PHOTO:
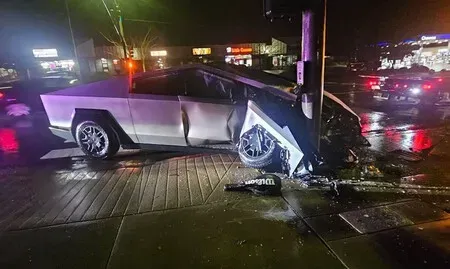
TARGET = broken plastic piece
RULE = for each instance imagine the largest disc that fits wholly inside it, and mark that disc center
(267, 184)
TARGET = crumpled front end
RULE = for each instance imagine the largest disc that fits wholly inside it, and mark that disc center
(260, 128)
(277, 132)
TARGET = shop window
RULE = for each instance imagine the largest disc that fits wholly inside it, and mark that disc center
(206, 85)
(162, 85)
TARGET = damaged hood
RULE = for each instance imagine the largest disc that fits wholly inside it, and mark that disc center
(339, 101)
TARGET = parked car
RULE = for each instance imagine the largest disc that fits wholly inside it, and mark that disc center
(198, 107)
(20, 97)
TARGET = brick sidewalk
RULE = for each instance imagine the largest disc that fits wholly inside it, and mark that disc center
(43, 198)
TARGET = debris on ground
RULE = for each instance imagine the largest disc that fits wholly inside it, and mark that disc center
(406, 155)
(314, 180)
(334, 188)
(394, 169)
(266, 184)
(415, 179)
(412, 156)
(371, 171)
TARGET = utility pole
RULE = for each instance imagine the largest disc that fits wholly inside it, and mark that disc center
(119, 32)
(77, 61)
(313, 57)
(119, 12)
(311, 68)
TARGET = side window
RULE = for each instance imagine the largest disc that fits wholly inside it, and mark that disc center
(206, 85)
(242, 92)
(161, 85)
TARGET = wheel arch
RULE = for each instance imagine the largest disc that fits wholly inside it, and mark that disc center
(82, 114)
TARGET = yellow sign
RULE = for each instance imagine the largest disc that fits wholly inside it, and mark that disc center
(201, 51)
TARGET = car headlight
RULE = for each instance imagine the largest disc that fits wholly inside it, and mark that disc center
(415, 91)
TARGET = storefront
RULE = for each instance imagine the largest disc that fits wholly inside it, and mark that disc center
(431, 51)
(283, 61)
(202, 55)
(158, 59)
(49, 60)
(239, 56)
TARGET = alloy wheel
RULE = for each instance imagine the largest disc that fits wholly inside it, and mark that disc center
(94, 139)
(256, 144)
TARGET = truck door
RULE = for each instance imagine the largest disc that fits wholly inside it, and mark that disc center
(211, 115)
(155, 110)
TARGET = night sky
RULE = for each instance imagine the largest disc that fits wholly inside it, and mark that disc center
(350, 22)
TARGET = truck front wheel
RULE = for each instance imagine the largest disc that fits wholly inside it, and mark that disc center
(257, 148)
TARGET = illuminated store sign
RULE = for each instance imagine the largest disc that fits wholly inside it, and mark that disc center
(45, 53)
(201, 51)
(428, 38)
(434, 37)
(158, 53)
(239, 50)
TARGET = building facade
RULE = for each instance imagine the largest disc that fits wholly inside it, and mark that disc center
(277, 54)
(432, 51)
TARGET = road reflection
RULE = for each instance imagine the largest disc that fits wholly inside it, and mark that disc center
(9, 144)
(384, 133)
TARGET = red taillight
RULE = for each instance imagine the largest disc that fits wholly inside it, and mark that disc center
(372, 83)
(1, 95)
(405, 86)
(440, 79)
(397, 85)
(426, 86)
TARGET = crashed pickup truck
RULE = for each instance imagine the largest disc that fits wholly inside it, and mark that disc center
(200, 107)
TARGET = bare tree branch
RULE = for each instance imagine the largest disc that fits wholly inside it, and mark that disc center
(147, 34)
(110, 40)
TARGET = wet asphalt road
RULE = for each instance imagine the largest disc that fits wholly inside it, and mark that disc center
(147, 210)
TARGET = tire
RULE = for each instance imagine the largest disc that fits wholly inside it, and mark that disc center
(96, 139)
(250, 154)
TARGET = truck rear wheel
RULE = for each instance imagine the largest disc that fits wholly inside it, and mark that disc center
(97, 140)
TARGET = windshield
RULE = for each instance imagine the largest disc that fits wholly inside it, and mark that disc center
(258, 75)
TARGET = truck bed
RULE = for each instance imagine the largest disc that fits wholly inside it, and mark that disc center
(108, 95)
(113, 87)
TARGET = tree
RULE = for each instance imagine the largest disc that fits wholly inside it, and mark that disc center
(141, 44)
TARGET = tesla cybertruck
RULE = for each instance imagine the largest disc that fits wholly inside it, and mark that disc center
(200, 107)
